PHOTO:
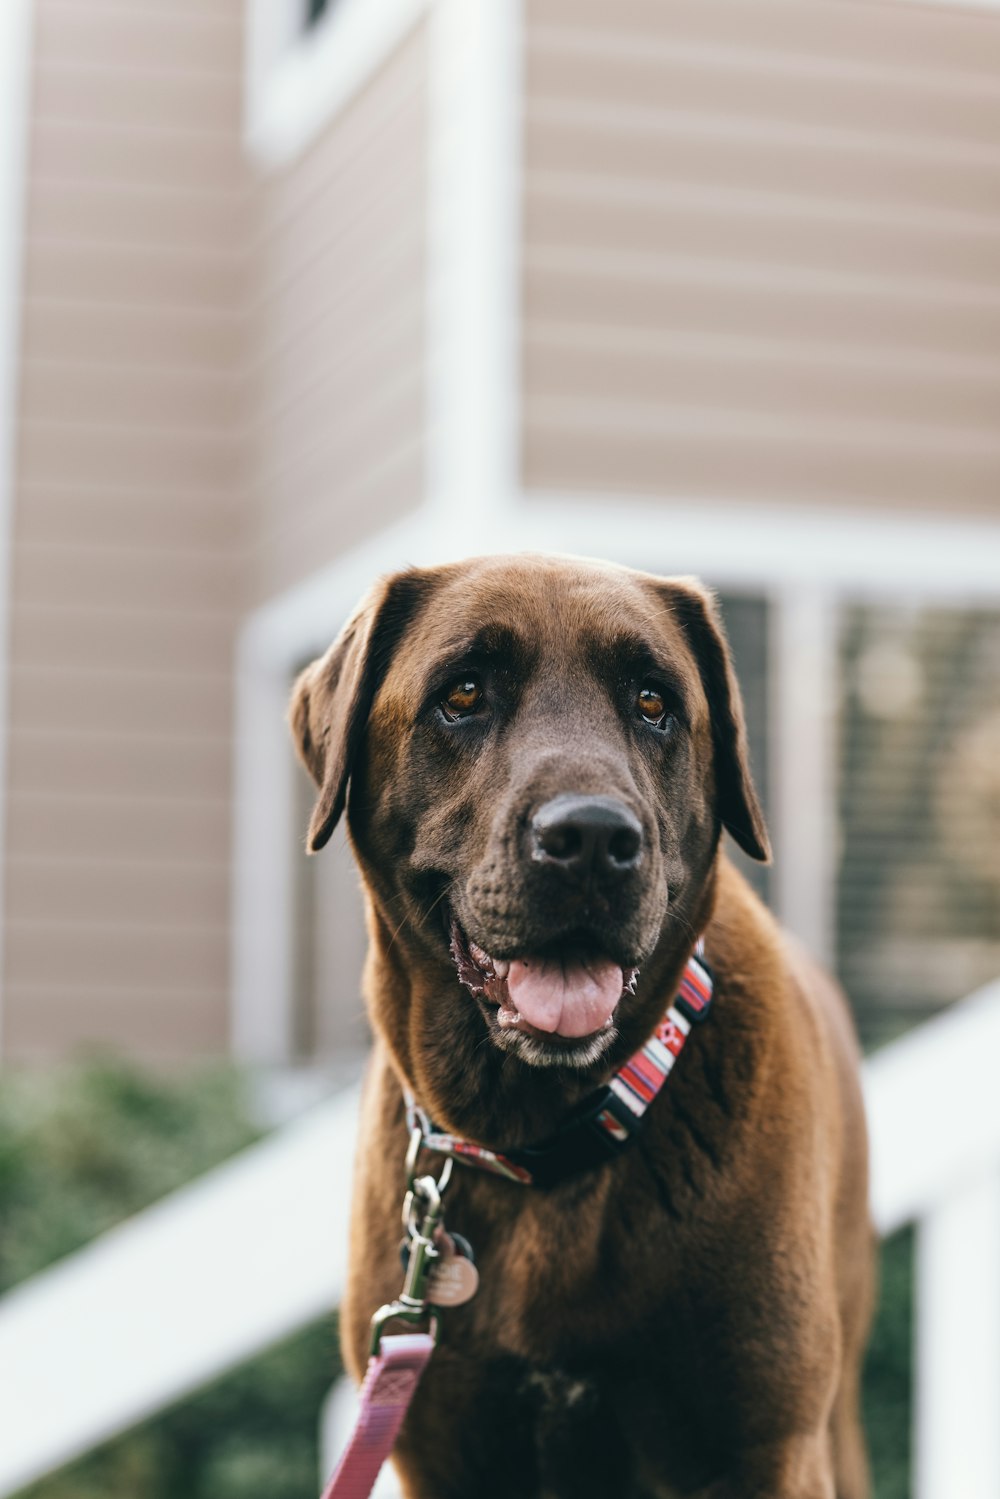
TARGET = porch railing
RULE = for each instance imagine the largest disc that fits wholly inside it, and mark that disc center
(258, 1248)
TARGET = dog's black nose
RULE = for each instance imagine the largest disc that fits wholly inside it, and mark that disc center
(580, 834)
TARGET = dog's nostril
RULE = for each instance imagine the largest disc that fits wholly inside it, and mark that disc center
(624, 845)
(560, 841)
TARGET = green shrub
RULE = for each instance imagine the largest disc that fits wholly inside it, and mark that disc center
(83, 1148)
(252, 1435)
(888, 1371)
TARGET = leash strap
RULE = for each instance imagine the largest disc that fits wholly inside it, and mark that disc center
(607, 1121)
(390, 1383)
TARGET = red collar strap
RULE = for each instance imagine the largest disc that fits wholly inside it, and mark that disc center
(606, 1122)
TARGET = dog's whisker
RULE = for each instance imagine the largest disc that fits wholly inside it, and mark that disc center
(437, 901)
(680, 920)
(421, 917)
(392, 939)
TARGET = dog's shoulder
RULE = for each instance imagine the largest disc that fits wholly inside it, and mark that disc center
(784, 1029)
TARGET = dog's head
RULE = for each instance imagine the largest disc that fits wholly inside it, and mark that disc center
(537, 755)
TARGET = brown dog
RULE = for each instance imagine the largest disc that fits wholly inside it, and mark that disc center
(541, 755)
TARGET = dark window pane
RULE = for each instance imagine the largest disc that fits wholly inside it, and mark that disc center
(746, 621)
(330, 1024)
(316, 10)
(918, 899)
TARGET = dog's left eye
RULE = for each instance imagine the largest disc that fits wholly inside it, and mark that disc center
(463, 698)
(652, 705)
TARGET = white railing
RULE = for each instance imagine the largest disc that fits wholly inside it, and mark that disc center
(257, 1248)
(934, 1114)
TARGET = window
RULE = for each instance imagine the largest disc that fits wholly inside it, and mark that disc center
(918, 900)
(329, 1023)
(746, 621)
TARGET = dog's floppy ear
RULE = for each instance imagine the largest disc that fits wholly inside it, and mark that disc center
(332, 698)
(739, 809)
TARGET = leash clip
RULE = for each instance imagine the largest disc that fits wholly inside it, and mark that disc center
(421, 1220)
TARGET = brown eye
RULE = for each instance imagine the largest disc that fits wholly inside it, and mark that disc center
(651, 704)
(464, 698)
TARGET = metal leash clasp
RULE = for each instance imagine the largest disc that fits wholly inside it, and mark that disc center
(421, 1220)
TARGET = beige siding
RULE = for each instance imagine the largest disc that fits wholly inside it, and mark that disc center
(335, 385)
(125, 565)
(762, 251)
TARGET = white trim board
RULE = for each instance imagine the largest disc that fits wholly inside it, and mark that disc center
(473, 248)
(295, 81)
(15, 95)
(803, 678)
(873, 553)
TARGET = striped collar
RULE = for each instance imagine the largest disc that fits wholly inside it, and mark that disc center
(606, 1122)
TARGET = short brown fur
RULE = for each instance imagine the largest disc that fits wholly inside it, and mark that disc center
(689, 1319)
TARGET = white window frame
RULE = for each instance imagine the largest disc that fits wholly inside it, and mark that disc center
(297, 77)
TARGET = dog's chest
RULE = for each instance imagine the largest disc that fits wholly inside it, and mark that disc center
(562, 1280)
(577, 1446)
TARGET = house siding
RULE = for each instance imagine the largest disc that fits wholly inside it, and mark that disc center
(124, 569)
(335, 383)
(761, 252)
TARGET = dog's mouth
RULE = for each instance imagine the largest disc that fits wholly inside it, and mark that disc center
(565, 1000)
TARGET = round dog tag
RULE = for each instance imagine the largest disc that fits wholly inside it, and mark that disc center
(454, 1279)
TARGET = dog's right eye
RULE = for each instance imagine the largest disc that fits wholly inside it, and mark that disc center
(463, 698)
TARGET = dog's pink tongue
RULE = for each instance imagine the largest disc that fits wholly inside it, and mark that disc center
(567, 999)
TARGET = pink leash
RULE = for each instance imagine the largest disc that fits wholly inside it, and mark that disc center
(390, 1382)
(396, 1363)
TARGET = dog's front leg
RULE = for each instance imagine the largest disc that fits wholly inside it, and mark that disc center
(466, 1436)
(799, 1467)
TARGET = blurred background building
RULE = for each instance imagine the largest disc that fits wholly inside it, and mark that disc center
(294, 292)
(706, 286)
